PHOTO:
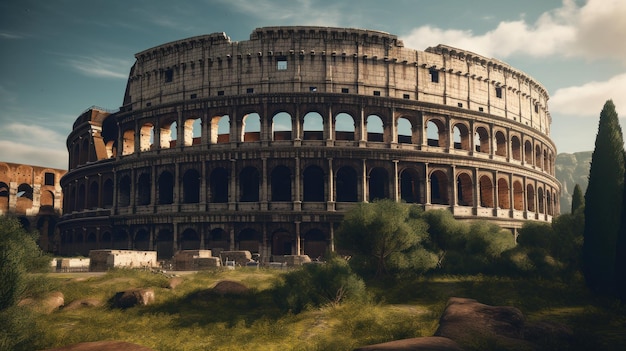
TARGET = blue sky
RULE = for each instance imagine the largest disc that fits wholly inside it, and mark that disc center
(59, 57)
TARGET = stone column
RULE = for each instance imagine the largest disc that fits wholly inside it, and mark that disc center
(297, 204)
(396, 182)
(365, 184)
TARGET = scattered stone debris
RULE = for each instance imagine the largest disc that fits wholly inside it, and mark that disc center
(132, 297)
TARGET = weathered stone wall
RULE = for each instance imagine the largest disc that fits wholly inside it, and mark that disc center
(102, 260)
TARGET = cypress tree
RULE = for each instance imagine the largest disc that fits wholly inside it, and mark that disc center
(577, 198)
(620, 254)
(603, 203)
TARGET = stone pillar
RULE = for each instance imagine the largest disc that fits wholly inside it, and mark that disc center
(454, 187)
(427, 184)
(297, 186)
(365, 184)
(396, 182)
(232, 192)
(331, 186)
(329, 128)
(299, 246)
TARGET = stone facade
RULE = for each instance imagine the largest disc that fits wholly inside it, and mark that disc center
(102, 260)
(34, 195)
(261, 145)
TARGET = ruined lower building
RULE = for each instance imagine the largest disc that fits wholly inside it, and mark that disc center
(263, 144)
(33, 194)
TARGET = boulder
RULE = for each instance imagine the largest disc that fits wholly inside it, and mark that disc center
(430, 343)
(229, 287)
(471, 324)
(48, 304)
(102, 346)
(82, 303)
(132, 297)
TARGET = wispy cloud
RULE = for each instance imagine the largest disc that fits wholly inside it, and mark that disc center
(24, 153)
(591, 32)
(586, 100)
(10, 36)
(298, 11)
(100, 67)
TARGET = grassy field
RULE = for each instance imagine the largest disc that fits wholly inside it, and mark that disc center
(181, 320)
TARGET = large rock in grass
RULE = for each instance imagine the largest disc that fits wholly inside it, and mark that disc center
(229, 287)
(48, 304)
(132, 297)
(472, 324)
(102, 346)
(430, 343)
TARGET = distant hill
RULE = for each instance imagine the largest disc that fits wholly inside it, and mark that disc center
(572, 169)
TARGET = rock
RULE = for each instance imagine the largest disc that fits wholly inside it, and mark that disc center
(82, 303)
(229, 287)
(471, 324)
(132, 297)
(102, 346)
(430, 343)
(551, 334)
(47, 304)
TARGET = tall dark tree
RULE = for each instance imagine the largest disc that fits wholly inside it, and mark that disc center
(620, 254)
(578, 200)
(603, 203)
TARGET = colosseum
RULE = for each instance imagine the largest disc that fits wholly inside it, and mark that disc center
(263, 144)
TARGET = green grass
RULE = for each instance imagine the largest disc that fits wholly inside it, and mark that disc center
(182, 319)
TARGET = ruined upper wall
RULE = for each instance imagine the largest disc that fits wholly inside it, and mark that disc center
(333, 60)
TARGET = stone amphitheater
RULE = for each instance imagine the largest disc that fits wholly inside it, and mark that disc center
(263, 144)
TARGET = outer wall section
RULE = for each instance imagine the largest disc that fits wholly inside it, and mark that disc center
(262, 145)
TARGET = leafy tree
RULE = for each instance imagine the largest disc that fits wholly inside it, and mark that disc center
(384, 235)
(603, 203)
(19, 254)
(578, 200)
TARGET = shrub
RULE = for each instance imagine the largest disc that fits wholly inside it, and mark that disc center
(315, 285)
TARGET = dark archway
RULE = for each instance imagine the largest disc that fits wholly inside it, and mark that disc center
(410, 186)
(249, 181)
(249, 239)
(313, 179)
(346, 185)
(281, 184)
(166, 188)
(439, 188)
(282, 243)
(144, 189)
(219, 185)
(191, 187)
(464, 190)
(378, 184)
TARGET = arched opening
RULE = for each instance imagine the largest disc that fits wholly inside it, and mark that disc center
(165, 244)
(129, 142)
(4, 197)
(142, 240)
(405, 131)
(538, 156)
(75, 156)
(121, 240)
(346, 185)
(530, 197)
(436, 133)
(146, 137)
(249, 239)
(540, 198)
(281, 243)
(166, 188)
(192, 131)
(516, 148)
(94, 200)
(251, 127)
(124, 192)
(106, 241)
(486, 192)
(313, 126)
(500, 144)
(85, 149)
(313, 184)
(189, 240)
(378, 184)
(46, 199)
(464, 190)
(315, 244)
(249, 181)
(461, 137)
(549, 202)
(375, 128)
(191, 187)
(481, 140)
(439, 188)
(528, 152)
(546, 165)
(281, 184)
(218, 239)
(80, 200)
(91, 241)
(144, 189)
(281, 126)
(219, 185)
(518, 196)
(107, 193)
(504, 201)
(344, 127)
(220, 129)
(409, 186)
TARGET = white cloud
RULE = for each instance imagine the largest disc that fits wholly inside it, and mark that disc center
(593, 31)
(19, 152)
(35, 134)
(13, 36)
(290, 11)
(587, 100)
(101, 67)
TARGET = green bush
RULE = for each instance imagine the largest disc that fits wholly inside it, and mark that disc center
(315, 285)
